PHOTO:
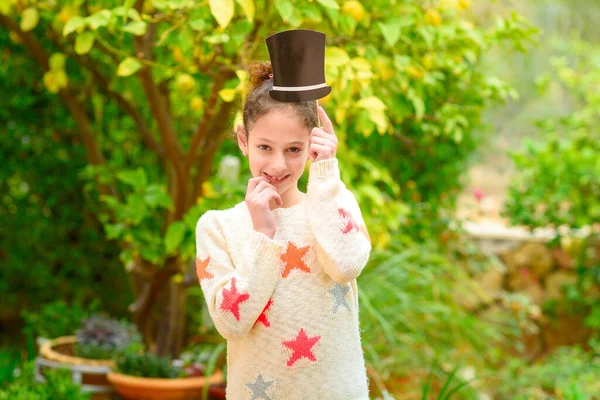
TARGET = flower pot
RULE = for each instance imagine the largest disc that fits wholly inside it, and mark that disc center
(137, 388)
(217, 391)
(89, 374)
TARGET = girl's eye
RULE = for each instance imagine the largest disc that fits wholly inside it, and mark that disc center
(295, 149)
(261, 147)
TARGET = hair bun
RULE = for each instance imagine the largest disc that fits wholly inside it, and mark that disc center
(258, 72)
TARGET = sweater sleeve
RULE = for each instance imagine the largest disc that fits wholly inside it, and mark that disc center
(342, 241)
(236, 294)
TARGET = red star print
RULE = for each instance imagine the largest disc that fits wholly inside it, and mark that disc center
(263, 316)
(292, 259)
(201, 269)
(232, 299)
(351, 224)
(301, 346)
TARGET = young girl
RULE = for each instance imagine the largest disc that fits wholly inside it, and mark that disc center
(279, 269)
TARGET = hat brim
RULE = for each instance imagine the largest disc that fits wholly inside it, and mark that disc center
(295, 97)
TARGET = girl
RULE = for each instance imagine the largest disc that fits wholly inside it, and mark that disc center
(279, 270)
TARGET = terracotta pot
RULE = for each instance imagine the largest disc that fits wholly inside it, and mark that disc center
(217, 391)
(136, 388)
(89, 374)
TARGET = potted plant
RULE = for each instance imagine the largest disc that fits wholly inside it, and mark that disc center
(88, 354)
(146, 376)
(208, 356)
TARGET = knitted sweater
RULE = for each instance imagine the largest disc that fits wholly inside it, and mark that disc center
(288, 306)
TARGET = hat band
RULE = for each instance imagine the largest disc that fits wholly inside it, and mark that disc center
(299, 88)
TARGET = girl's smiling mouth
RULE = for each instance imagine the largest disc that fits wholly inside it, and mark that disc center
(275, 180)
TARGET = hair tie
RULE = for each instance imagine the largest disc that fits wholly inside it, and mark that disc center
(271, 76)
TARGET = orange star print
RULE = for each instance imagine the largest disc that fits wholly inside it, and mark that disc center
(201, 269)
(292, 259)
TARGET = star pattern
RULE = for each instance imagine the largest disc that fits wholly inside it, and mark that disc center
(259, 388)
(202, 269)
(232, 299)
(293, 259)
(339, 297)
(350, 223)
(263, 316)
(302, 347)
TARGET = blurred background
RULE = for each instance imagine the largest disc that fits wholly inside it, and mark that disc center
(468, 133)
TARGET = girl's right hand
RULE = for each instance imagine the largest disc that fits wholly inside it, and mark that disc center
(258, 196)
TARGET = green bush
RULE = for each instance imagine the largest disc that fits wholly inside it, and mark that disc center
(147, 365)
(59, 386)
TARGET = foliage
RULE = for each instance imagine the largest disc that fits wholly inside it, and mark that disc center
(551, 193)
(411, 317)
(102, 338)
(40, 158)
(567, 373)
(564, 194)
(57, 318)
(59, 386)
(426, 98)
(147, 365)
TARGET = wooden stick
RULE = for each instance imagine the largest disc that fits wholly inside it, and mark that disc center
(318, 117)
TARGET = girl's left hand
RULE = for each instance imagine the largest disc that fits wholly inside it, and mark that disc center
(323, 142)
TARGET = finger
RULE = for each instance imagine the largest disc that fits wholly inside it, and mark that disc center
(320, 133)
(269, 195)
(322, 141)
(327, 125)
(253, 182)
(262, 186)
(319, 149)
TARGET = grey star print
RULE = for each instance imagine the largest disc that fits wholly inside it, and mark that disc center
(339, 297)
(259, 388)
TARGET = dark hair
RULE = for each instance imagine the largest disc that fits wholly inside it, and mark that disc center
(259, 102)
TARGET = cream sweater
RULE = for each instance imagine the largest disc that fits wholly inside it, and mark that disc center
(288, 306)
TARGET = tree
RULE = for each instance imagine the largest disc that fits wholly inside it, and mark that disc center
(174, 70)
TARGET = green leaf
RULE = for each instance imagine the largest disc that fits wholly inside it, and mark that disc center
(57, 61)
(419, 105)
(84, 42)
(138, 28)
(391, 32)
(248, 7)
(136, 178)
(29, 19)
(174, 236)
(222, 10)
(128, 66)
(197, 24)
(101, 18)
(155, 196)
(73, 24)
(285, 10)
(329, 4)
(336, 57)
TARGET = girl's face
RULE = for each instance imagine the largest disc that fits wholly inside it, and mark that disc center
(277, 149)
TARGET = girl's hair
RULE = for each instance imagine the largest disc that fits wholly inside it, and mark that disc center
(259, 102)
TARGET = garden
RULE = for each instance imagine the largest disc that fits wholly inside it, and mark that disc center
(468, 132)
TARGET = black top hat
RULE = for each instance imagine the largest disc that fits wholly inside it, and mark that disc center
(298, 60)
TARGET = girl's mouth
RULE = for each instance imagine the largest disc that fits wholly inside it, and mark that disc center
(276, 181)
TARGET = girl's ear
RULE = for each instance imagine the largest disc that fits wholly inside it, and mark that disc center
(242, 139)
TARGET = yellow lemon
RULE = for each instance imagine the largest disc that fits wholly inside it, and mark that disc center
(178, 55)
(354, 9)
(433, 18)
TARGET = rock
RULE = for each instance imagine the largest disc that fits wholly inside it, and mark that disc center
(554, 284)
(536, 257)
